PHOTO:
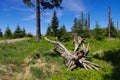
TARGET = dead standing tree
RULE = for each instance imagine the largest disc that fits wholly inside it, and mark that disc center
(109, 21)
(78, 58)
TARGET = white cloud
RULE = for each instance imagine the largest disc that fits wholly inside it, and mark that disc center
(46, 17)
(74, 5)
(31, 17)
(47, 20)
(22, 9)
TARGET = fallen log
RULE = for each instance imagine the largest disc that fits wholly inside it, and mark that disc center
(77, 58)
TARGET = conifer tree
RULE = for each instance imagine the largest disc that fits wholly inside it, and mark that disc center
(63, 34)
(74, 27)
(77, 27)
(49, 32)
(113, 31)
(41, 5)
(8, 33)
(18, 33)
(98, 32)
(62, 31)
(23, 32)
(1, 34)
(54, 24)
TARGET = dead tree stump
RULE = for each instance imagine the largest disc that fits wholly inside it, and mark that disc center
(77, 58)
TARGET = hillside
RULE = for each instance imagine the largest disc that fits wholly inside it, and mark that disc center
(30, 60)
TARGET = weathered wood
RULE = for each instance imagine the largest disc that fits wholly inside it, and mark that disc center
(63, 51)
(109, 21)
(79, 56)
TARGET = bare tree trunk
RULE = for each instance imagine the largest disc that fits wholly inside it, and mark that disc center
(89, 21)
(82, 18)
(109, 21)
(38, 31)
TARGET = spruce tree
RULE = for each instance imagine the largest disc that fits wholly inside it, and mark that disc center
(49, 32)
(54, 24)
(113, 31)
(63, 34)
(23, 32)
(62, 31)
(98, 32)
(8, 33)
(77, 27)
(80, 28)
(18, 32)
(1, 34)
(74, 27)
(86, 33)
(41, 5)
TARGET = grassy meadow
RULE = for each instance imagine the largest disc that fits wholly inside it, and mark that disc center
(46, 65)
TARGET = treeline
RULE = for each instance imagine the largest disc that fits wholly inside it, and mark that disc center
(81, 27)
(18, 33)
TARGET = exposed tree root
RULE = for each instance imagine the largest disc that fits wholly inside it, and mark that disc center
(78, 58)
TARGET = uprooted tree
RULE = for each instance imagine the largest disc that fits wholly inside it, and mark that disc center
(77, 58)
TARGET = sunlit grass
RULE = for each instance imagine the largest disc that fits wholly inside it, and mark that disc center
(15, 53)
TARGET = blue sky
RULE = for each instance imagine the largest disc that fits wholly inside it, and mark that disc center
(13, 12)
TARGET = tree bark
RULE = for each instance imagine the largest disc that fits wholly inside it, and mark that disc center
(82, 18)
(38, 30)
(109, 21)
(89, 22)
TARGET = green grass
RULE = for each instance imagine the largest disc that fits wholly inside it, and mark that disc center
(109, 59)
(18, 51)
(15, 52)
(104, 45)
